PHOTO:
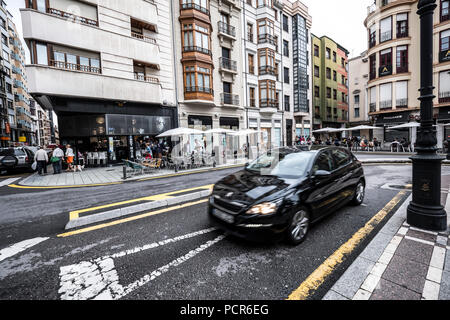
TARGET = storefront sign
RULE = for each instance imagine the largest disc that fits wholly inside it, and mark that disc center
(385, 71)
(444, 56)
(4, 138)
(119, 124)
(392, 118)
(8, 128)
(444, 113)
(22, 139)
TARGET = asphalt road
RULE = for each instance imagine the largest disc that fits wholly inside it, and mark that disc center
(202, 265)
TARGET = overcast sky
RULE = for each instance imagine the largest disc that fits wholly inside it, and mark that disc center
(342, 21)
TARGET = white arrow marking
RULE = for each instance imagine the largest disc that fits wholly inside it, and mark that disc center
(19, 247)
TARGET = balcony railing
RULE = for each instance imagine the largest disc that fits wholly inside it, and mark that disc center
(444, 97)
(198, 89)
(229, 99)
(228, 64)
(144, 38)
(72, 17)
(227, 29)
(196, 49)
(267, 38)
(402, 103)
(263, 70)
(253, 103)
(386, 104)
(188, 6)
(72, 66)
(402, 32)
(268, 103)
(445, 16)
(385, 36)
(402, 69)
(141, 77)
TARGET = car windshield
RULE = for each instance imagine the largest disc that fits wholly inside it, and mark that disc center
(283, 165)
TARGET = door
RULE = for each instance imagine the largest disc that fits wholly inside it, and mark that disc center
(322, 197)
(344, 185)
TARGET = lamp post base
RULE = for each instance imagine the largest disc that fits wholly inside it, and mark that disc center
(425, 210)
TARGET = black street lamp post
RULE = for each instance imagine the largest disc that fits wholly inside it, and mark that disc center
(425, 210)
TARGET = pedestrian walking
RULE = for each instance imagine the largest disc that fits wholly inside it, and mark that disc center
(69, 157)
(56, 160)
(41, 158)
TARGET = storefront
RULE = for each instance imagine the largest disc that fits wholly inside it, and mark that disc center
(119, 131)
(388, 120)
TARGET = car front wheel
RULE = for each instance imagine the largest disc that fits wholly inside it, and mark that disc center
(360, 192)
(299, 227)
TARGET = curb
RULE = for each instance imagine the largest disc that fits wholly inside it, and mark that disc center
(126, 211)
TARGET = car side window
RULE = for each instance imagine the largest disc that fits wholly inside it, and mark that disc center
(323, 162)
(341, 158)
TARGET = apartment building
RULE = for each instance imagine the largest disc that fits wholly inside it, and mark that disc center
(358, 76)
(106, 69)
(277, 95)
(208, 64)
(330, 74)
(7, 113)
(23, 133)
(394, 64)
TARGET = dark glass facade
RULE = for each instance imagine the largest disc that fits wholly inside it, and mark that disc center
(300, 63)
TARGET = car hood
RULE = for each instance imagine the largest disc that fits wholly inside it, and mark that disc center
(246, 187)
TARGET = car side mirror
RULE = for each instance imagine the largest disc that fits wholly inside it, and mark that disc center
(321, 174)
(246, 164)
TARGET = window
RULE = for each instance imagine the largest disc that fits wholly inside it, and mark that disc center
(316, 71)
(356, 97)
(341, 157)
(334, 94)
(357, 114)
(373, 66)
(444, 86)
(287, 106)
(316, 51)
(252, 97)
(402, 25)
(328, 53)
(286, 75)
(286, 48)
(250, 32)
(197, 79)
(386, 29)
(334, 75)
(444, 47)
(267, 94)
(324, 162)
(385, 62)
(5, 55)
(196, 38)
(41, 54)
(386, 96)
(402, 59)
(372, 36)
(373, 99)
(250, 3)
(316, 92)
(328, 93)
(444, 10)
(285, 23)
(251, 64)
(401, 93)
(266, 61)
(328, 73)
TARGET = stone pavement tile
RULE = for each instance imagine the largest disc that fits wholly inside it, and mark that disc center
(387, 290)
(406, 273)
(447, 261)
(444, 294)
(353, 277)
(415, 251)
(393, 225)
(333, 295)
(422, 235)
(376, 247)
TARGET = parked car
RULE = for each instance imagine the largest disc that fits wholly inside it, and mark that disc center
(16, 158)
(281, 193)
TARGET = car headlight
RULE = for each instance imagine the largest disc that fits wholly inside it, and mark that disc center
(264, 208)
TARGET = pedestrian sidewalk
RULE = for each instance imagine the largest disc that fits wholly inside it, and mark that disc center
(105, 175)
(400, 263)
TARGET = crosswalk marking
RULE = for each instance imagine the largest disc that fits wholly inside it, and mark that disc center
(8, 181)
(19, 247)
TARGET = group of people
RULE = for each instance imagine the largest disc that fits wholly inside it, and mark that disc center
(56, 159)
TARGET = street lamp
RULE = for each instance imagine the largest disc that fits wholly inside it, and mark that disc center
(425, 210)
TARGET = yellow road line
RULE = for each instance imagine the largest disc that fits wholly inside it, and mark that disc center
(313, 282)
(164, 196)
(141, 216)
(64, 187)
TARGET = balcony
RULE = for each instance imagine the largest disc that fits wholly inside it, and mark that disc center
(386, 105)
(229, 99)
(199, 90)
(72, 17)
(74, 67)
(190, 6)
(227, 30)
(264, 70)
(228, 65)
(402, 103)
(444, 97)
(53, 81)
(268, 103)
(267, 38)
(196, 49)
(141, 77)
(143, 38)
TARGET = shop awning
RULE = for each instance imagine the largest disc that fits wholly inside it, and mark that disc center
(179, 132)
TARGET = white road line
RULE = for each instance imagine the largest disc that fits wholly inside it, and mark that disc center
(8, 181)
(97, 279)
(19, 247)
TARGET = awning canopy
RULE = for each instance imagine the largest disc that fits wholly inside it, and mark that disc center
(363, 127)
(179, 132)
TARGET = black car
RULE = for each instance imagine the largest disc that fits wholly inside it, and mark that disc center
(281, 193)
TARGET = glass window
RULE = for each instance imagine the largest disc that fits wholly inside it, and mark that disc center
(59, 56)
(341, 157)
(324, 162)
(41, 5)
(41, 54)
(95, 63)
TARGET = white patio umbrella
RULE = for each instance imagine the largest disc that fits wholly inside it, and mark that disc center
(220, 131)
(324, 130)
(179, 132)
(363, 127)
(245, 132)
(406, 125)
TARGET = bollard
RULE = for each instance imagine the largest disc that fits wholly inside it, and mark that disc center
(448, 149)
(124, 173)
